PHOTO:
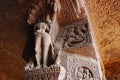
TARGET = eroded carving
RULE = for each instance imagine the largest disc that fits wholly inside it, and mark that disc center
(84, 73)
(42, 45)
(42, 10)
(46, 52)
(74, 35)
(82, 68)
(48, 73)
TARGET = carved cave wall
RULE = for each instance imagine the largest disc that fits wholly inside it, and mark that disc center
(104, 16)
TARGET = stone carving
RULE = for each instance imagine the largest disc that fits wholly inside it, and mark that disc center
(82, 68)
(74, 35)
(48, 73)
(43, 10)
(47, 57)
(46, 50)
(84, 73)
(46, 53)
(79, 67)
(42, 44)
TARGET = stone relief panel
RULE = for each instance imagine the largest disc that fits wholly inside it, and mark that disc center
(83, 73)
(79, 67)
(74, 35)
(82, 68)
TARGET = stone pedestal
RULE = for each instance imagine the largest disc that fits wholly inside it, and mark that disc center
(49, 73)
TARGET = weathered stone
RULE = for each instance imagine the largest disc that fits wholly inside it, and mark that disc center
(80, 67)
(49, 73)
(70, 11)
(74, 35)
(105, 19)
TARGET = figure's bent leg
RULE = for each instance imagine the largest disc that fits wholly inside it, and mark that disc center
(38, 51)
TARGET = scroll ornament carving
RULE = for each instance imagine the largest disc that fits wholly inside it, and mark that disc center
(74, 35)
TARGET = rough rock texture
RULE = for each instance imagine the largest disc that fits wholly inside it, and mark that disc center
(105, 20)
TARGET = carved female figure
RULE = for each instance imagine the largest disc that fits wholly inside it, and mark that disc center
(42, 43)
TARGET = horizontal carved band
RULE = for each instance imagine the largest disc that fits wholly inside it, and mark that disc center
(48, 73)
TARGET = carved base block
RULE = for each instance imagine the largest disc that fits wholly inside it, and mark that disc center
(49, 73)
